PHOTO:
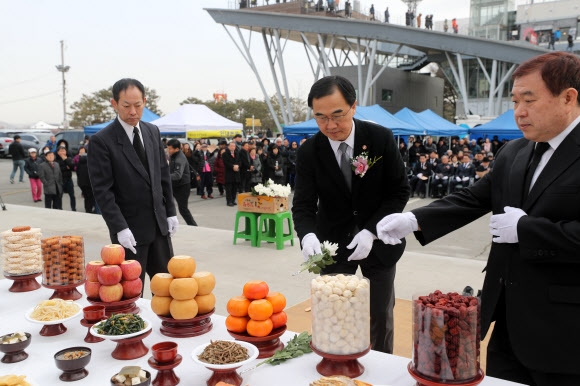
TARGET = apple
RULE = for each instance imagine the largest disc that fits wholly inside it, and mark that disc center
(113, 254)
(111, 293)
(131, 269)
(92, 289)
(109, 274)
(92, 269)
(132, 288)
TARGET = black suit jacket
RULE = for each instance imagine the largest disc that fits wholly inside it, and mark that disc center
(323, 203)
(127, 195)
(541, 273)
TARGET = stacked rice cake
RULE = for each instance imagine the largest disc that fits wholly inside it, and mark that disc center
(21, 251)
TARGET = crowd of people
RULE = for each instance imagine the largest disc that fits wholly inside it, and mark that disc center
(437, 169)
(52, 170)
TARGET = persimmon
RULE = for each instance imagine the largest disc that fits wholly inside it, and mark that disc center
(259, 327)
(260, 309)
(279, 319)
(238, 306)
(237, 323)
(278, 301)
(256, 289)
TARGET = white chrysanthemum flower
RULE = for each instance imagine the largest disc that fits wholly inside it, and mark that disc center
(330, 247)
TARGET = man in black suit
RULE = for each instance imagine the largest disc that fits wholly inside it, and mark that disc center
(421, 173)
(531, 288)
(131, 181)
(232, 164)
(333, 203)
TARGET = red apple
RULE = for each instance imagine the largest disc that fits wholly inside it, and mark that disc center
(111, 293)
(131, 269)
(92, 289)
(113, 254)
(109, 274)
(132, 288)
(92, 269)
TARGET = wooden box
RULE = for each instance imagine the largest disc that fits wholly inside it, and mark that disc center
(261, 204)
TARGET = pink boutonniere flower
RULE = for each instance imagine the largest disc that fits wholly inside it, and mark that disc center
(361, 163)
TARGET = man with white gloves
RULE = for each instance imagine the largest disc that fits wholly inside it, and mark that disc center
(531, 287)
(335, 203)
(131, 181)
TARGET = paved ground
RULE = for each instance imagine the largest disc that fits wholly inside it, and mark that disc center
(448, 264)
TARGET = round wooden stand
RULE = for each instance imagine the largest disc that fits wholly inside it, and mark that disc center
(230, 376)
(267, 345)
(130, 348)
(347, 365)
(165, 375)
(90, 338)
(424, 381)
(186, 328)
(73, 375)
(24, 283)
(52, 329)
(14, 352)
(125, 306)
(66, 291)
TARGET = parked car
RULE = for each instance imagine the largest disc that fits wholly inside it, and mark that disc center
(75, 139)
(4, 144)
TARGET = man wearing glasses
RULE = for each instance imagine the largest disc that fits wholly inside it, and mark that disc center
(333, 202)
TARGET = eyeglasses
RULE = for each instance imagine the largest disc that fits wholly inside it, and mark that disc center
(334, 118)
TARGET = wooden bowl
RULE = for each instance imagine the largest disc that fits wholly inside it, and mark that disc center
(164, 352)
(73, 369)
(15, 351)
(146, 382)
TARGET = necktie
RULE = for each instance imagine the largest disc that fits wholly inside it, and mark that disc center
(539, 150)
(139, 149)
(345, 164)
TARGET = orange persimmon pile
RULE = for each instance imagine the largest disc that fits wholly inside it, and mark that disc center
(257, 311)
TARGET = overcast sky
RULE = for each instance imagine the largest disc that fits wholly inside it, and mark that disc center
(172, 46)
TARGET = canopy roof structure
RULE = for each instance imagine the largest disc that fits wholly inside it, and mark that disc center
(503, 126)
(430, 123)
(198, 121)
(147, 116)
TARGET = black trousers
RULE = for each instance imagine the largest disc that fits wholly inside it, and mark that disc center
(52, 201)
(206, 182)
(181, 195)
(231, 190)
(89, 198)
(69, 188)
(382, 303)
(502, 362)
(153, 257)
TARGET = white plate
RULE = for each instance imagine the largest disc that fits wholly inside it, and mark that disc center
(50, 322)
(253, 352)
(94, 332)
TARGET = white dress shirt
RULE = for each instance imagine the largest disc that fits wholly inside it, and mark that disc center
(129, 130)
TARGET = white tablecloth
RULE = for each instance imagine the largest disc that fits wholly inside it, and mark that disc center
(40, 369)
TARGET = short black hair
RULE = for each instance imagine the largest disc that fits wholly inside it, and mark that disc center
(124, 84)
(326, 86)
(238, 136)
(174, 143)
(16, 136)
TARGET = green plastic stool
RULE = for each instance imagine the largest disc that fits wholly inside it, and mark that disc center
(272, 229)
(250, 231)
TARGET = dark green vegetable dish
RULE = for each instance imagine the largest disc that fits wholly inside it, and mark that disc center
(121, 324)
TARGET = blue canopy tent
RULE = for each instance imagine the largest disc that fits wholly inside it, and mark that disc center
(430, 123)
(147, 116)
(373, 113)
(503, 126)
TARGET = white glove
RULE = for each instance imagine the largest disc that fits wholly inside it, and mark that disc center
(127, 240)
(505, 226)
(310, 246)
(420, 175)
(445, 177)
(465, 178)
(392, 228)
(172, 225)
(458, 179)
(364, 243)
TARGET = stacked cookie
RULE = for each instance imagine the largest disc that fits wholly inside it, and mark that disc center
(21, 253)
(64, 260)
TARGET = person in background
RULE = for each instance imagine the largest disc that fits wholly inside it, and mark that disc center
(31, 168)
(83, 181)
(18, 155)
(332, 203)
(291, 165)
(180, 179)
(238, 141)
(274, 168)
(454, 26)
(67, 166)
(570, 47)
(206, 175)
(131, 181)
(372, 12)
(220, 171)
(42, 156)
(49, 172)
(387, 15)
(532, 193)
(256, 173)
(246, 168)
(445, 26)
(232, 163)
(51, 143)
